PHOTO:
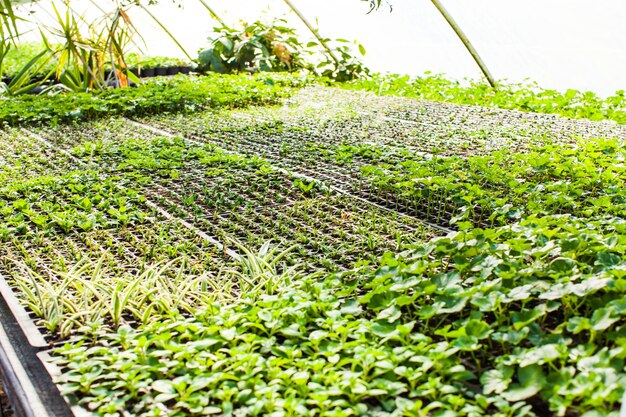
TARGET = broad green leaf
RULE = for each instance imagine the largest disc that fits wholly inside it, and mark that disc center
(478, 329)
(292, 330)
(466, 343)
(384, 329)
(163, 385)
(531, 381)
(602, 320)
(496, 380)
(391, 314)
(526, 316)
(608, 259)
(562, 266)
(539, 355)
(351, 307)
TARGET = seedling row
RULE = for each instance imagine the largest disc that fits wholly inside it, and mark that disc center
(151, 270)
(23, 158)
(217, 184)
(349, 153)
(192, 273)
(99, 224)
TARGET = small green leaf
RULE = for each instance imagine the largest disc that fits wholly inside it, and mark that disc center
(390, 314)
(164, 386)
(292, 330)
(562, 266)
(228, 333)
(351, 307)
(384, 329)
(478, 329)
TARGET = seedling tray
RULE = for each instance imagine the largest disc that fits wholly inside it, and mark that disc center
(187, 197)
(28, 384)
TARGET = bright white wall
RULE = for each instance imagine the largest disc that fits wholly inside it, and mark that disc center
(558, 43)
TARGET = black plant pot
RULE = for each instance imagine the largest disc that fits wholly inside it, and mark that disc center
(37, 78)
(147, 72)
(160, 71)
(37, 90)
(185, 70)
(173, 70)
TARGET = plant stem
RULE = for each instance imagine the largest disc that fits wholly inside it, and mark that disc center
(158, 22)
(213, 14)
(313, 31)
(465, 40)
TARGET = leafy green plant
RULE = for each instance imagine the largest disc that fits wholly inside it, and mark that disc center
(22, 82)
(89, 292)
(586, 180)
(256, 47)
(83, 58)
(522, 317)
(260, 271)
(350, 65)
(139, 61)
(19, 54)
(75, 201)
(22, 71)
(275, 47)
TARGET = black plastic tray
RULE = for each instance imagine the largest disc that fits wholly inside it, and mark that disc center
(27, 379)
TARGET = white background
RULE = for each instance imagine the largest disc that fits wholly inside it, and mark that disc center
(558, 43)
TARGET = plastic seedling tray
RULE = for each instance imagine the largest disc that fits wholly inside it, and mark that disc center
(22, 317)
(29, 385)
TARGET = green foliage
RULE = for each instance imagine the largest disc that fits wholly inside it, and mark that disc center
(160, 156)
(521, 317)
(19, 55)
(587, 180)
(178, 94)
(254, 201)
(91, 292)
(275, 47)
(22, 69)
(350, 66)
(525, 97)
(136, 60)
(524, 319)
(72, 202)
(479, 322)
(255, 47)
